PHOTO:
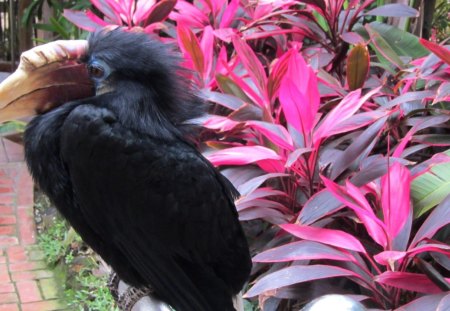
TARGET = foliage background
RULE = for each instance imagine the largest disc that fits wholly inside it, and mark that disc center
(333, 125)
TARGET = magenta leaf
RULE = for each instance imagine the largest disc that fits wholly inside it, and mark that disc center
(242, 155)
(83, 20)
(388, 258)
(143, 9)
(207, 47)
(415, 282)
(190, 46)
(294, 275)
(220, 123)
(229, 14)
(437, 302)
(300, 99)
(353, 198)
(302, 250)
(111, 9)
(348, 106)
(332, 237)
(396, 205)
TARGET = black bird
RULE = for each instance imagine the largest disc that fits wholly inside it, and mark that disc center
(121, 168)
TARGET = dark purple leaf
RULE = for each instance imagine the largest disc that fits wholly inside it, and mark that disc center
(394, 10)
(252, 184)
(321, 204)
(302, 250)
(229, 101)
(415, 282)
(81, 20)
(294, 275)
(437, 302)
(272, 216)
(439, 217)
(359, 146)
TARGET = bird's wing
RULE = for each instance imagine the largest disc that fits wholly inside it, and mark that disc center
(159, 203)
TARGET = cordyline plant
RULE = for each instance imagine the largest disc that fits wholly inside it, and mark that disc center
(334, 129)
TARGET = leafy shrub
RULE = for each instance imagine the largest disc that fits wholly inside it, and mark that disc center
(328, 123)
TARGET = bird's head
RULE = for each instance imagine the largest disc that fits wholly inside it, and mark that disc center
(130, 64)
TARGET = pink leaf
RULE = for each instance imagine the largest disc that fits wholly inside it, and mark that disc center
(275, 132)
(414, 282)
(207, 47)
(353, 198)
(300, 99)
(348, 106)
(189, 14)
(229, 14)
(396, 205)
(82, 20)
(242, 155)
(111, 9)
(220, 123)
(294, 275)
(388, 258)
(440, 51)
(302, 250)
(332, 237)
(143, 9)
(190, 46)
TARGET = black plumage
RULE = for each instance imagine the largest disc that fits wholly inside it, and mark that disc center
(121, 168)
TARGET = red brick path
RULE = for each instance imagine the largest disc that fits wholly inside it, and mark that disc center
(26, 283)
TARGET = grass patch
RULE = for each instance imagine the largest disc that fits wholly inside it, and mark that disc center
(77, 267)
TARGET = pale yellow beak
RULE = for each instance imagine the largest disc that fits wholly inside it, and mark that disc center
(48, 75)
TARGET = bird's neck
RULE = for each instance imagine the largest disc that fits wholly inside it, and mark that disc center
(136, 108)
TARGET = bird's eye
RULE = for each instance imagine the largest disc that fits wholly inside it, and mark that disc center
(96, 71)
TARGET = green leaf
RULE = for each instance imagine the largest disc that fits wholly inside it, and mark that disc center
(383, 49)
(12, 127)
(429, 189)
(402, 42)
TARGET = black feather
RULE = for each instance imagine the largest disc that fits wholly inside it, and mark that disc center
(120, 167)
